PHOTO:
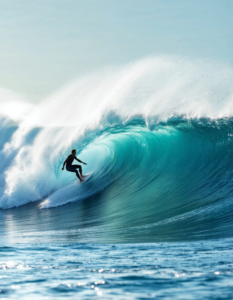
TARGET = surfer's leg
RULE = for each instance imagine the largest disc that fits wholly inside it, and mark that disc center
(79, 168)
(73, 169)
(77, 174)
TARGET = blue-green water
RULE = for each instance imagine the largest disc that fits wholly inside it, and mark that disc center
(195, 270)
(155, 220)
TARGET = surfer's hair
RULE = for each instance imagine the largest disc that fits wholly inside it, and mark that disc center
(74, 150)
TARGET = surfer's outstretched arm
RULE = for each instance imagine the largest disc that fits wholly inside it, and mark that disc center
(64, 163)
(80, 160)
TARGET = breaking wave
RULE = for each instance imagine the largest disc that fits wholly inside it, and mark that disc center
(157, 133)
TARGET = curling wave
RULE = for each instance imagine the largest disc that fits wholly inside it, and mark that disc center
(158, 135)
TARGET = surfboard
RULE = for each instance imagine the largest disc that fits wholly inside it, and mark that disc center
(86, 178)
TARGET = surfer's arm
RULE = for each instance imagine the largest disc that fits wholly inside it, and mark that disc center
(80, 160)
(64, 163)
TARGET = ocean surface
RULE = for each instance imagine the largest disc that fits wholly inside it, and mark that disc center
(155, 220)
(195, 270)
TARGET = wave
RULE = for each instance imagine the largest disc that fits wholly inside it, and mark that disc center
(157, 133)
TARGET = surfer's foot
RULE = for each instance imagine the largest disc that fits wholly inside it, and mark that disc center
(84, 176)
(81, 180)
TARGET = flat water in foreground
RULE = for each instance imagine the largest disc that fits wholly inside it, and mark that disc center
(187, 270)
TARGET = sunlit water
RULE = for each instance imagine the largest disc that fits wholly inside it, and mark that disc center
(195, 270)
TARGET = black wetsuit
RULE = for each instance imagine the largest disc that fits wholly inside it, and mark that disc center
(72, 168)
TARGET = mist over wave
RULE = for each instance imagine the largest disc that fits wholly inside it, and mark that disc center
(157, 134)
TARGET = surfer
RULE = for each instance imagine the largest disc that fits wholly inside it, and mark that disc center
(73, 168)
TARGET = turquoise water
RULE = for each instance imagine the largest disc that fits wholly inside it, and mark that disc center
(196, 270)
(156, 217)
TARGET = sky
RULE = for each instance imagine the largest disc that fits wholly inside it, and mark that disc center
(45, 44)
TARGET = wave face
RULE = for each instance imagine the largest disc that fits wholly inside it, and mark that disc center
(158, 135)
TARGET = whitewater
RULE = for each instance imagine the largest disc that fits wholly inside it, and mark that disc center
(155, 220)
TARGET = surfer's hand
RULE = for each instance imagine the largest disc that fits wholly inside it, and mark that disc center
(84, 163)
(62, 168)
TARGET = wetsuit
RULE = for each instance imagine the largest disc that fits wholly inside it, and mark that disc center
(72, 168)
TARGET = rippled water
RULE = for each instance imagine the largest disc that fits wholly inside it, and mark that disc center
(195, 270)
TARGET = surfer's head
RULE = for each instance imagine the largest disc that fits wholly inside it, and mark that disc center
(73, 151)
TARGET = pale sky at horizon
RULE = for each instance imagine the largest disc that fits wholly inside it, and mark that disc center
(47, 43)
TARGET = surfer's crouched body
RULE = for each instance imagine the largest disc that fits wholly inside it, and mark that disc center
(73, 168)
